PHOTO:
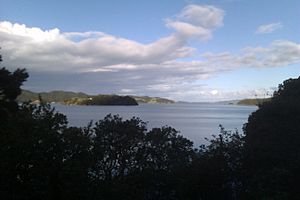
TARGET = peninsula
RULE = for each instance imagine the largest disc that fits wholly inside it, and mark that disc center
(80, 98)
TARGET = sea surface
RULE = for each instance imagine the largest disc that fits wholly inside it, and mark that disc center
(195, 121)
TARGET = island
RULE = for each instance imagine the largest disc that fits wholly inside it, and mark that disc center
(103, 100)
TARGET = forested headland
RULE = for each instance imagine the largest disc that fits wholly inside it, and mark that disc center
(80, 98)
(44, 158)
(253, 102)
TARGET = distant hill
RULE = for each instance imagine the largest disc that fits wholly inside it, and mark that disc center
(253, 102)
(155, 100)
(53, 96)
(103, 100)
(229, 102)
(67, 97)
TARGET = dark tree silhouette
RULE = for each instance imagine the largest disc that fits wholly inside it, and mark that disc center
(272, 146)
(39, 154)
(131, 163)
(44, 158)
(9, 90)
(216, 172)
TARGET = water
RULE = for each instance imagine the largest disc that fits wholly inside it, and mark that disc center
(194, 121)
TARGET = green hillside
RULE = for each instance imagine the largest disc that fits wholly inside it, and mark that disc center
(154, 100)
(102, 100)
(253, 102)
(54, 96)
(80, 98)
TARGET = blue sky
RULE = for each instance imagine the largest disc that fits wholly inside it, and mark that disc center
(180, 49)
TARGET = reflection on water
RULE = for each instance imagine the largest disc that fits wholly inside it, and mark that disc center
(194, 121)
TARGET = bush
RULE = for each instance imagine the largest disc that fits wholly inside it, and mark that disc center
(272, 145)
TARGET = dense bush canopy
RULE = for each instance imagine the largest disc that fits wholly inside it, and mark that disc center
(42, 157)
(272, 145)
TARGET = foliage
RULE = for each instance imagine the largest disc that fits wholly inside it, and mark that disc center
(44, 158)
(41, 158)
(216, 173)
(129, 160)
(272, 145)
(9, 90)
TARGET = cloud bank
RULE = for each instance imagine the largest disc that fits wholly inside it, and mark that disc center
(120, 65)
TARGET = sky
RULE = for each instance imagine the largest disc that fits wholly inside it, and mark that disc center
(185, 50)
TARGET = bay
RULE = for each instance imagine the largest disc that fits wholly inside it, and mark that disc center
(195, 121)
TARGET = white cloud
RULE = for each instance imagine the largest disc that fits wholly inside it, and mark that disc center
(214, 92)
(208, 17)
(34, 33)
(268, 28)
(189, 30)
(54, 51)
(197, 21)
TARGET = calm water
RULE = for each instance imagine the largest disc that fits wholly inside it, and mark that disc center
(194, 121)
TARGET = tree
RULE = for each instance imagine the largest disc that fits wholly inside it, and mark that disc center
(133, 163)
(216, 171)
(272, 146)
(168, 157)
(41, 158)
(9, 90)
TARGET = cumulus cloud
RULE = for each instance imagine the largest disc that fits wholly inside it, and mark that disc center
(214, 92)
(34, 33)
(268, 28)
(119, 65)
(205, 16)
(51, 50)
(197, 21)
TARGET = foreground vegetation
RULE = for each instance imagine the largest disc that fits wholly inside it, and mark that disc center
(44, 158)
